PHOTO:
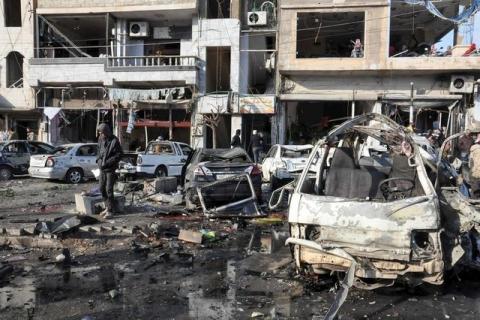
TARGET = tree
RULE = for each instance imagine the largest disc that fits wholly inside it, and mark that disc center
(212, 120)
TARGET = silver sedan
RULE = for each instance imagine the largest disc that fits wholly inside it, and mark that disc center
(71, 162)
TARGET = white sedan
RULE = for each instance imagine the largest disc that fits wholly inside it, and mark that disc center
(71, 162)
(284, 162)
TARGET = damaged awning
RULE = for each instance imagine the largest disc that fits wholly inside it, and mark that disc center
(167, 94)
(420, 101)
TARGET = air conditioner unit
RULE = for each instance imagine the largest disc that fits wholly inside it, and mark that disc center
(462, 84)
(139, 29)
(257, 18)
(162, 33)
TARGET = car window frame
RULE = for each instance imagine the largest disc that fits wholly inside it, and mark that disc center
(86, 146)
(39, 145)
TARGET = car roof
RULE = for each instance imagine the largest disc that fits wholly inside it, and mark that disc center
(296, 147)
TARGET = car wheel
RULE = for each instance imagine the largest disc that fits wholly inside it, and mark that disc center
(161, 172)
(74, 176)
(5, 174)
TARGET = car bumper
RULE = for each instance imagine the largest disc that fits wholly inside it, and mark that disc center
(146, 170)
(47, 173)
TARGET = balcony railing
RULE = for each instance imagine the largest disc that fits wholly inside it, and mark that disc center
(152, 61)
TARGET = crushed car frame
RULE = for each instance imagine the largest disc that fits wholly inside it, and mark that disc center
(370, 210)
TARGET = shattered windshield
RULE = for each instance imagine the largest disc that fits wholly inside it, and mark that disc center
(237, 155)
(369, 162)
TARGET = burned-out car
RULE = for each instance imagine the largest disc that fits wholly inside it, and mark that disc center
(366, 206)
(222, 181)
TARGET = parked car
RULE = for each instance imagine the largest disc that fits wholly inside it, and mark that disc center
(284, 162)
(15, 156)
(209, 165)
(70, 162)
(379, 222)
(163, 158)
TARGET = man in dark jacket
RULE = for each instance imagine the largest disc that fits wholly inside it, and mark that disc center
(257, 145)
(109, 155)
(236, 140)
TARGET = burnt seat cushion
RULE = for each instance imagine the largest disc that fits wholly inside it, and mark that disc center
(345, 180)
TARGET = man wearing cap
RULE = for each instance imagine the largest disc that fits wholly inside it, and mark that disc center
(109, 155)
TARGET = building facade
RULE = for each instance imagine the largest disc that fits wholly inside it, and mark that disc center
(152, 69)
(17, 108)
(337, 59)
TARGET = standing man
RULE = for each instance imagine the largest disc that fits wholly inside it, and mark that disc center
(236, 140)
(257, 146)
(12, 135)
(109, 154)
(30, 134)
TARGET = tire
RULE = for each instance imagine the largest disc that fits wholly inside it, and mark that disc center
(5, 174)
(74, 176)
(161, 172)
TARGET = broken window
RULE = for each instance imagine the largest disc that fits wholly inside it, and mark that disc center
(13, 13)
(327, 34)
(217, 9)
(14, 70)
(368, 162)
(417, 31)
(218, 69)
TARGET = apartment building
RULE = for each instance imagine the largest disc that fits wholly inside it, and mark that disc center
(156, 68)
(16, 45)
(337, 59)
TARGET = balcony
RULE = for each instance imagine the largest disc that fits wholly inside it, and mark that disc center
(100, 6)
(165, 70)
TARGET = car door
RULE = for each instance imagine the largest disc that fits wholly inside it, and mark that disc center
(17, 155)
(267, 164)
(177, 160)
(86, 156)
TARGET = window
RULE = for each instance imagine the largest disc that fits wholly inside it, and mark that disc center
(40, 148)
(16, 147)
(87, 151)
(272, 152)
(218, 9)
(324, 35)
(186, 149)
(159, 148)
(13, 13)
(14, 70)
(290, 153)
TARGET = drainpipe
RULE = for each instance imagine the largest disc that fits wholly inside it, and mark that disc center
(411, 103)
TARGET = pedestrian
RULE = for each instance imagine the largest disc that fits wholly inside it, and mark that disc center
(257, 145)
(474, 165)
(465, 142)
(30, 134)
(236, 140)
(12, 134)
(109, 155)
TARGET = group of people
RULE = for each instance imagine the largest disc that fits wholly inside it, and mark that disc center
(257, 144)
(11, 135)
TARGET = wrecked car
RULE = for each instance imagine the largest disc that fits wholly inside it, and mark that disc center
(370, 210)
(284, 162)
(15, 156)
(221, 177)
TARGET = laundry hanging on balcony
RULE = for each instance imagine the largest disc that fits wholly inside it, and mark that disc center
(116, 94)
(461, 18)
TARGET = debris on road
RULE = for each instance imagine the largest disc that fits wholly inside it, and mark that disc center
(190, 236)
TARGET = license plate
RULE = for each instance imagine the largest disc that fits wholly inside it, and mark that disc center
(224, 176)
